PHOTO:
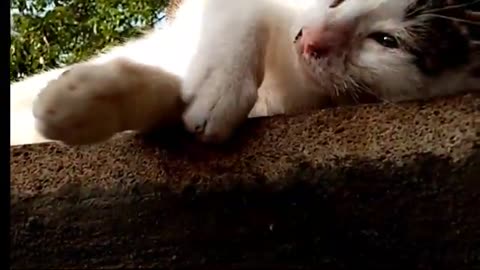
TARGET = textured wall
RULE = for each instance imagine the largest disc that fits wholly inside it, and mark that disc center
(378, 186)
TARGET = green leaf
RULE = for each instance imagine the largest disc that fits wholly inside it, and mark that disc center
(52, 33)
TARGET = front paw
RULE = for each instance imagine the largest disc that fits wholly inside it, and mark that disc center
(79, 107)
(219, 101)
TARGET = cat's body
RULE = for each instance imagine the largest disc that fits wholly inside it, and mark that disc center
(220, 61)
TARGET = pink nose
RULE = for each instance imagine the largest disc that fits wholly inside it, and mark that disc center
(319, 41)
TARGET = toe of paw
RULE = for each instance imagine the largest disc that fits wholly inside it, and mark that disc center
(197, 127)
(206, 130)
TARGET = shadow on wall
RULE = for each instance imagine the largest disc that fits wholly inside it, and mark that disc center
(378, 218)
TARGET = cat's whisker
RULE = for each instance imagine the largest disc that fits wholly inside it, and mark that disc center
(368, 90)
(359, 88)
(472, 15)
(354, 92)
(337, 93)
(466, 21)
(475, 45)
(452, 6)
(422, 10)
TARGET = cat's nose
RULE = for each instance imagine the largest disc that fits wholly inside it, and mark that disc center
(321, 41)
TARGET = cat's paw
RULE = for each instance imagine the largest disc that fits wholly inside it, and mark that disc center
(80, 107)
(219, 101)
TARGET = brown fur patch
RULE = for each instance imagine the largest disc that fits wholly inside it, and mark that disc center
(438, 38)
(172, 8)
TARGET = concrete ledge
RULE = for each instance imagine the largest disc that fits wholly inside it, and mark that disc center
(378, 186)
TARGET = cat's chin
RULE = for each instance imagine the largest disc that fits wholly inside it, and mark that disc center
(313, 68)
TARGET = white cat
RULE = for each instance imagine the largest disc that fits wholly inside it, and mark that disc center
(221, 61)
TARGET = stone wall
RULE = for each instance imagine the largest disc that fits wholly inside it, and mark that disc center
(377, 186)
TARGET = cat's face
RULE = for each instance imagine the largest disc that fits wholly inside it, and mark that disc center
(394, 49)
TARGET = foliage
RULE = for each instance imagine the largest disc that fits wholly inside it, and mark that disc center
(52, 33)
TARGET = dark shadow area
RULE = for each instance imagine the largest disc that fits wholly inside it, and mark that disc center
(358, 216)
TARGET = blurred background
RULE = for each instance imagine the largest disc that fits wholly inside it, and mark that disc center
(53, 33)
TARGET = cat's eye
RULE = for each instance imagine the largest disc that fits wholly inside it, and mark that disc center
(336, 3)
(385, 40)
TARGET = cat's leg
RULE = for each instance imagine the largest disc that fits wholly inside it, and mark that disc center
(90, 102)
(222, 82)
(119, 74)
(22, 95)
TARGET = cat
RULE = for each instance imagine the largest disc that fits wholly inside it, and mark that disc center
(218, 62)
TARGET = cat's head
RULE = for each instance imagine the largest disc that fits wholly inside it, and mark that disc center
(394, 49)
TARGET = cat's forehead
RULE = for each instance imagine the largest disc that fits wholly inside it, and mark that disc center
(367, 13)
(393, 9)
(400, 10)
(428, 5)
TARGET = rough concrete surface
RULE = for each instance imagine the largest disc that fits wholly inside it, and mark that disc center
(377, 186)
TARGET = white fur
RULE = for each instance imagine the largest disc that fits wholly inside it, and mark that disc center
(228, 60)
